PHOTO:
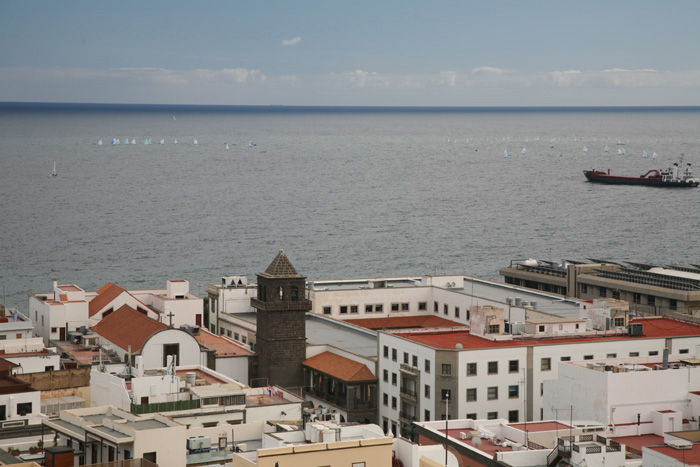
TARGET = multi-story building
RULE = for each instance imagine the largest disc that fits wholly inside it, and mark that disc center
(650, 289)
(68, 311)
(485, 372)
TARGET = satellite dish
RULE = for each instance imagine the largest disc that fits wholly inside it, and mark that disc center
(476, 442)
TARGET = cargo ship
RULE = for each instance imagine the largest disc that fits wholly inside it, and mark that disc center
(674, 177)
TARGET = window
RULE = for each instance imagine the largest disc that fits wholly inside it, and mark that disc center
(415, 361)
(634, 354)
(603, 292)
(673, 305)
(54, 330)
(446, 394)
(445, 309)
(471, 416)
(378, 308)
(369, 308)
(611, 355)
(513, 366)
(456, 312)
(393, 402)
(343, 309)
(229, 333)
(513, 391)
(584, 288)
(405, 358)
(386, 399)
(436, 306)
(651, 300)
(394, 307)
(393, 379)
(494, 328)
(683, 351)
(513, 416)
(404, 307)
(588, 357)
(427, 365)
(385, 424)
(358, 464)
(653, 352)
(546, 364)
(426, 416)
(422, 306)
(493, 368)
(393, 354)
(24, 408)
(492, 393)
(618, 321)
(471, 394)
(326, 310)
(150, 456)
(446, 369)
(636, 298)
(471, 369)
(492, 415)
(540, 328)
(426, 391)
(616, 294)
(565, 359)
(386, 376)
(386, 351)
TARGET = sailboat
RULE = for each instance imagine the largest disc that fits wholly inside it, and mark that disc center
(54, 173)
(505, 153)
(623, 151)
(524, 151)
(585, 149)
(162, 141)
(195, 141)
(126, 141)
(619, 152)
(655, 156)
(227, 146)
(133, 141)
(175, 142)
(645, 154)
(99, 143)
(607, 149)
(251, 144)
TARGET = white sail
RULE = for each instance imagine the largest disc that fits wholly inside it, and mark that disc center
(585, 149)
(195, 141)
(505, 153)
(524, 151)
(126, 141)
(133, 141)
(54, 173)
(99, 143)
(175, 142)
(162, 141)
(227, 146)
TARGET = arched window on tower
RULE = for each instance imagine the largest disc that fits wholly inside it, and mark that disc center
(294, 293)
(281, 293)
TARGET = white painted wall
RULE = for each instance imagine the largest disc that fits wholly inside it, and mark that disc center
(108, 389)
(233, 367)
(169, 444)
(190, 353)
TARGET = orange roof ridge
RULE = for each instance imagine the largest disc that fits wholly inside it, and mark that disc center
(104, 296)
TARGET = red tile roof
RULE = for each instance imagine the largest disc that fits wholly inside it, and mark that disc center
(653, 328)
(223, 346)
(638, 442)
(687, 456)
(340, 367)
(63, 297)
(127, 326)
(105, 295)
(399, 322)
(70, 288)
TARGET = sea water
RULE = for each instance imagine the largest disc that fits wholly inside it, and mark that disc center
(346, 192)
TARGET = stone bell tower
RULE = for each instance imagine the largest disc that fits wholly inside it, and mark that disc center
(281, 307)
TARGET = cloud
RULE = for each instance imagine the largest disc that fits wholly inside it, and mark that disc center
(290, 42)
(449, 77)
(235, 75)
(490, 70)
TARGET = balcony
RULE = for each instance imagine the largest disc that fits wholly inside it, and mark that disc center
(411, 370)
(408, 416)
(408, 393)
(299, 305)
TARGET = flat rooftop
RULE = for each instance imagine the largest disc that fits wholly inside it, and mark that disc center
(653, 328)
(404, 322)
(222, 345)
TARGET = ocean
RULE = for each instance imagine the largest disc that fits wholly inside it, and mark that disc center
(346, 192)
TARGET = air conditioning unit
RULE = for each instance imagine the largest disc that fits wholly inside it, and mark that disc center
(680, 444)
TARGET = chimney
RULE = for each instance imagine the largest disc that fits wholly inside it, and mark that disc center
(55, 282)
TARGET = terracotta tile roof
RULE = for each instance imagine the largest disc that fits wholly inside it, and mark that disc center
(340, 367)
(127, 326)
(224, 346)
(63, 297)
(399, 322)
(653, 328)
(105, 295)
(281, 267)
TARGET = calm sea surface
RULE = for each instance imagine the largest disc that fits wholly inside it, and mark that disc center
(345, 192)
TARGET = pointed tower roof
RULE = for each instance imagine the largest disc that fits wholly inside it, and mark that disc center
(280, 267)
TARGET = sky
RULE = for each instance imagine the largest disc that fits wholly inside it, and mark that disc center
(365, 53)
